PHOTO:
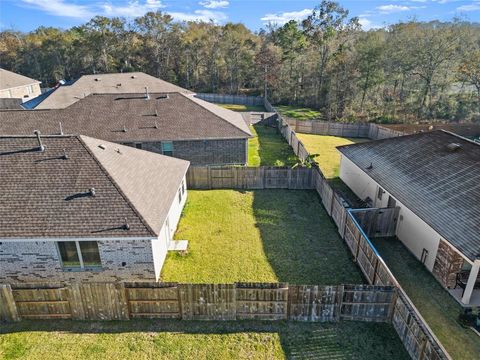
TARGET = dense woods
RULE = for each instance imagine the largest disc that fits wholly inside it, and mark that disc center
(402, 73)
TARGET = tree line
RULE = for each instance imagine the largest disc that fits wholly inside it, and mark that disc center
(406, 72)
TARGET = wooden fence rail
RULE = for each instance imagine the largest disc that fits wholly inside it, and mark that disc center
(239, 301)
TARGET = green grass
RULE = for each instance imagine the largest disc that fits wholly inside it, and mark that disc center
(300, 113)
(437, 307)
(264, 235)
(269, 148)
(243, 108)
(169, 339)
(328, 158)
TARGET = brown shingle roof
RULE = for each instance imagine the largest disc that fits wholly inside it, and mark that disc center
(44, 195)
(439, 185)
(134, 82)
(9, 80)
(172, 116)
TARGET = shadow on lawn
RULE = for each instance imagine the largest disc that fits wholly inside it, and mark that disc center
(344, 340)
(300, 240)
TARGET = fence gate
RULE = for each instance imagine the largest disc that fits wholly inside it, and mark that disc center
(153, 300)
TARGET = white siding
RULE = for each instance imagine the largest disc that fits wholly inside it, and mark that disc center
(415, 233)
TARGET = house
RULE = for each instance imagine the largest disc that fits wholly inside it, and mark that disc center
(434, 179)
(79, 208)
(16, 86)
(118, 83)
(174, 124)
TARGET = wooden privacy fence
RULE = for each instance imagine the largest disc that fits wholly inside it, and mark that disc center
(264, 177)
(239, 301)
(231, 99)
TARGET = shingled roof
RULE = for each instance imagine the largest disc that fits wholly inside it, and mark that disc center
(46, 194)
(134, 82)
(438, 181)
(9, 80)
(132, 117)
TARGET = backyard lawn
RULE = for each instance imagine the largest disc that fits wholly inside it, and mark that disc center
(264, 235)
(243, 108)
(170, 339)
(438, 308)
(300, 113)
(328, 158)
(269, 148)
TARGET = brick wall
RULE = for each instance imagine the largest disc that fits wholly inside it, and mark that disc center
(447, 263)
(206, 152)
(39, 262)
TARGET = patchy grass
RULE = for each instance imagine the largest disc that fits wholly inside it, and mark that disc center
(243, 108)
(264, 235)
(300, 113)
(269, 148)
(170, 339)
(328, 158)
(438, 308)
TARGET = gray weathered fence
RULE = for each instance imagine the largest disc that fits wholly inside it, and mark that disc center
(231, 99)
(239, 301)
(264, 177)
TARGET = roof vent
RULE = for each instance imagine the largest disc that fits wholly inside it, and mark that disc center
(97, 79)
(103, 147)
(163, 96)
(133, 76)
(118, 151)
(453, 147)
(156, 125)
(119, 84)
(39, 139)
(91, 191)
(147, 95)
(61, 128)
(156, 112)
(65, 155)
(126, 226)
(124, 128)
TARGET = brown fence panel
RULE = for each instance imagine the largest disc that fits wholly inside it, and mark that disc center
(47, 302)
(207, 301)
(384, 276)
(262, 301)
(377, 222)
(339, 213)
(250, 177)
(198, 177)
(300, 178)
(8, 308)
(327, 197)
(223, 178)
(367, 303)
(352, 235)
(367, 259)
(153, 300)
(276, 178)
(313, 303)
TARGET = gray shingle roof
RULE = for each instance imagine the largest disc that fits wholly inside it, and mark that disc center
(44, 195)
(172, 116)
(439, 185)
(134, 82)
(9, 79)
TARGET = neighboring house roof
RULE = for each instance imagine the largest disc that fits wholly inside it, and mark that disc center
(10, 80)
(46, 195)
(162, 117)
(134, 82)
(440, 185)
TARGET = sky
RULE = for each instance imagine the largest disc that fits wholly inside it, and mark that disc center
(26, 15)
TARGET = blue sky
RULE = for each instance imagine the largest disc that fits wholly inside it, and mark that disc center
(26, 15)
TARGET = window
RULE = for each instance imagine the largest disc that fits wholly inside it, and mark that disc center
(167, 148)
(380, 193)
(138, 145)
(179, 196)
(183, 187)
(79, 254)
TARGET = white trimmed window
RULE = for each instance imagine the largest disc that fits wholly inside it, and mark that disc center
(79, 254)
(167, 148)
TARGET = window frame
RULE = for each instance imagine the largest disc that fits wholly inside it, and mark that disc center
(179, 196)
(82, 266)
(167, 152)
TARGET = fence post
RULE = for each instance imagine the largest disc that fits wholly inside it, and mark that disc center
(209, 177)
(339, 302)
(8, 310)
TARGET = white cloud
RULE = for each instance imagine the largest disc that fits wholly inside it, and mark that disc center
(367, 24)
(282, 18)
(132, 8)
(200, 15)
(214, 4)
(60, 8)
(390, 9)
(475, 6)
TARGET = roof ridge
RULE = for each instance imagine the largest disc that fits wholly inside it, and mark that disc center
(107, 174)
(188, 96)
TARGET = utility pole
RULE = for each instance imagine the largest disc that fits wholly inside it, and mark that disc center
(265, 82)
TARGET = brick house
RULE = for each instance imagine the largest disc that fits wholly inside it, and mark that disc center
(16, 86)
(434, 179)
(71, 209)
(174, 124)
